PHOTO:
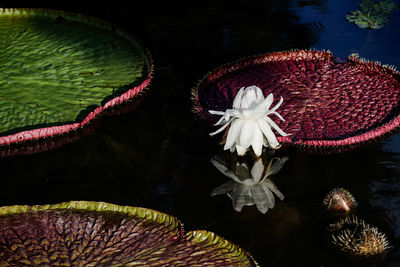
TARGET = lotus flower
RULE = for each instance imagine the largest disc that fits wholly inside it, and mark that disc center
(250, 187)
(250, 124)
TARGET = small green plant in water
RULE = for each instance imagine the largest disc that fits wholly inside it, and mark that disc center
(373, 15)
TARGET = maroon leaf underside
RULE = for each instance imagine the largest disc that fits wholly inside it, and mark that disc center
(325, 102)
(69, 237)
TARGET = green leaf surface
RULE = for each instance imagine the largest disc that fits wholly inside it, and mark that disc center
(56, 67)
(373, 15)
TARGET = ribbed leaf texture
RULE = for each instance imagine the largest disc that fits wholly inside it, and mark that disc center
(59, 70)
(85, 233)
(329, 105)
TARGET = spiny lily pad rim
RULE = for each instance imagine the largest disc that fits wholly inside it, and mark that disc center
(88, 206)
(334, 145)
(51, 131)
(150, 215)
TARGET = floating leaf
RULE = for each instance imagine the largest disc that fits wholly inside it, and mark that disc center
(372, 14)
(329, 104)
(59, 71)
(82, 233)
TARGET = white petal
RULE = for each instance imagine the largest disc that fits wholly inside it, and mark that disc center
(242, 171)
(238, 99)
(241, 150)
(273, 188)
(224, 188)
(259, 93)
(216, 112)
(269, 135)
(241, 196)
(225, 115)
(258, 141)
(257, 170)
(246, 135)
(275, 126)
(266, 103)
(260, 199)
(273, 110)
(277, 105)
(221, 167)
(249, 98)
(275, 165)
(221, 129)
(219, 122)
(233, 133)
(244, 103)
(269, 196)
(249, 182)
(278, 115)
(258, 96)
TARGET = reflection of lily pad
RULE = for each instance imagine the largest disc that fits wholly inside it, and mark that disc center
(329, 105)
(59, 71)
(82, 233)
(373, 15)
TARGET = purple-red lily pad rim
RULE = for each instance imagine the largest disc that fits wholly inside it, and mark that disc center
(54, 131)
(334, 145)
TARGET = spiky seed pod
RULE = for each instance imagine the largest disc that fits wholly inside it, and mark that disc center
(357, 239)
(339, 201)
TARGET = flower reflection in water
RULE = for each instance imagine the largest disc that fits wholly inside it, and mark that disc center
(250, 187)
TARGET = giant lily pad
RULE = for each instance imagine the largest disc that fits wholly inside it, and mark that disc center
(59, 71)
(329, 104)
(82, 233)
(373, 15)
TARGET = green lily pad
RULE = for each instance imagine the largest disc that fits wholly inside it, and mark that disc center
(62, 69)
(83, 233)
(373, 15)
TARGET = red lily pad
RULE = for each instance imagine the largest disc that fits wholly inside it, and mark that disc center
(83, 233)
(59, 73)
(330, 104)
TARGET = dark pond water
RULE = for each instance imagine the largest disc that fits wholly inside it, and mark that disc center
(158, 156)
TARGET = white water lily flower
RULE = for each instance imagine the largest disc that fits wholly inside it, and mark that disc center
(250, 124)
(250, 187)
